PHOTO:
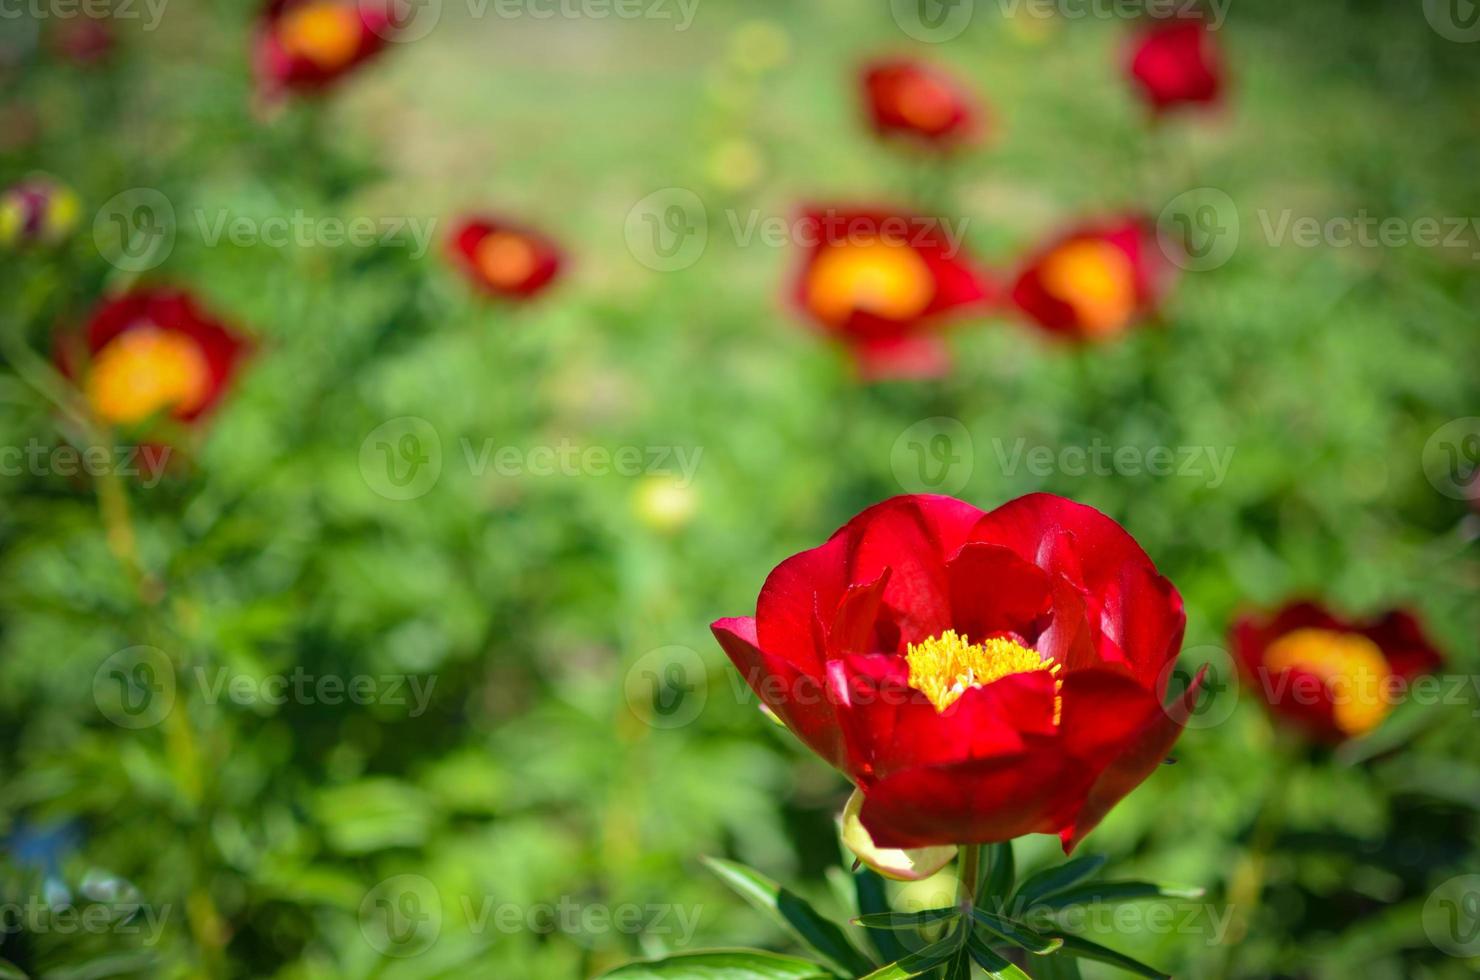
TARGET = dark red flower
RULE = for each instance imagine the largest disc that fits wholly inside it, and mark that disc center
(978, 676)
(504, 259)
(83, 40)
(907, 98)
(152, 352)
(307, 45)
(1096, 281)
(37, 211)
(1175, 62)
(1333, 678)
(885, 283)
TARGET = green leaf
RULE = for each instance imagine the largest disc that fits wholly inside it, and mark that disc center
(1000, 872)
(959, 966)
(873, 900)
(991, 961)
(906, 920)
(1098, 892)
(1084, 949)
(1017, 933)
(791, 910)
(723, 964)
(926, 959)
(1056, 879)
(9, 971)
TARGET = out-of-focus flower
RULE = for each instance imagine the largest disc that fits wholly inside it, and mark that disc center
(503, 259)
(1333, 678)
(735, 165)
(909, 99)
(307, 45)
(1175, 62)
(83, 40)
(1094, 282)
(39, 210)
(665, 503)
(150, 353)
(884, 283)
(758, 46)
(978, 676)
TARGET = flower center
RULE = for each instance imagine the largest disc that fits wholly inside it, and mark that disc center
(1352, 667)
(924, 103)
(145, 370)
(887, 279)
(1097, 280)
(326, 33)
(505, 259)
(945, 667)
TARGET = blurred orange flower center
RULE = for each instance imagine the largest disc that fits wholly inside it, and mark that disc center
(886, 279)
(1353, 668)
(145, 371)
(924, 102)
(1097, 280)
(326, 33)
(505, 259)
(945, 667)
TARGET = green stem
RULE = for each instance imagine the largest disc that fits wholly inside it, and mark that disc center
(968, 872)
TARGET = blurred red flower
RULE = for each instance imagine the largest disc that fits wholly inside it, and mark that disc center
(1175, 62)
(83, 40)
(1331, 677)
(307, 45)
(884, 283)
(910, 99)
(978, 676)
(39, 210)
(506, 260)
(1096, 281)
(152, 352)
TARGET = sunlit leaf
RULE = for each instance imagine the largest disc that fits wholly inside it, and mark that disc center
(723, 964)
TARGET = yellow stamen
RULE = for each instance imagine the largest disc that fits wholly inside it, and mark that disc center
(1097, 280)
(944, 667)
(885, 278)
(1353, 668)
(505, 259)
(144, 371)
(326, 33)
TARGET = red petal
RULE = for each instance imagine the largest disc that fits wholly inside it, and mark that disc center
(994, 591)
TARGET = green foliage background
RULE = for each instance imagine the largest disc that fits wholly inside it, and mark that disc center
(259, 830)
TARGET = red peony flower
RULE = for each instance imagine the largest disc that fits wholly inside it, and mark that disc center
(907, 98)
(37, 211)
(1174, 62)
(152, 352)
(83, 40)
(978, 676)
(1333, 678)
(504, 259)
(885, 283)
(307, 45)
(1094, 282)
